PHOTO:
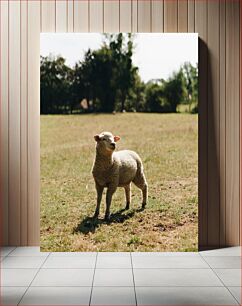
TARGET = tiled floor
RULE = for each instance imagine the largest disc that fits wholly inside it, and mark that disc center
(29, 277)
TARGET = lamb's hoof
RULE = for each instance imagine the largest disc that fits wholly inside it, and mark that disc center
(107, 218)
(143, 205)
(127, 206)
(95, 216)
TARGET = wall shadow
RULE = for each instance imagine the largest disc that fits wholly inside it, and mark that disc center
(208, 150)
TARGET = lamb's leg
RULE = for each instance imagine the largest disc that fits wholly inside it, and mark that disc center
(141, 183)
(127, 195)
(110, 191)
(145, 195)
(99, 199)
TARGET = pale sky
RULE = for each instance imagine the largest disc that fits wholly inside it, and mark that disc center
(156, 55)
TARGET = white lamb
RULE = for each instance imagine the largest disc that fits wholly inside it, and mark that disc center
(116, 169)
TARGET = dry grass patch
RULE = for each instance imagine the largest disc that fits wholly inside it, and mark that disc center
(167, 144)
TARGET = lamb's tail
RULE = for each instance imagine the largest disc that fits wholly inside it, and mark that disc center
(140, 179)
(140, 168)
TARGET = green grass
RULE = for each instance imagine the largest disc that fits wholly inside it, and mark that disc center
(167, 144)
(185, 108)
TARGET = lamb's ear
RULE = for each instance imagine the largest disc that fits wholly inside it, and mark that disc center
(116, 138)
(96, 137)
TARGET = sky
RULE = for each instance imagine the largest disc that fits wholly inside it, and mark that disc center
(156, 55)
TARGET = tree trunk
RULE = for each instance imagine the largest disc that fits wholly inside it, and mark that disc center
(88, 105)
(123, 103)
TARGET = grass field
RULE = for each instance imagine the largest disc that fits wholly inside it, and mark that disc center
(167, 144)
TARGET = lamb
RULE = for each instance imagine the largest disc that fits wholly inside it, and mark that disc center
(116, 169)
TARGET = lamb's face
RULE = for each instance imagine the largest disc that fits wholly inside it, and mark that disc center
(106, 142)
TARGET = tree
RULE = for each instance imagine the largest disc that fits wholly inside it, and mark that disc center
(104, 79)
(174, 90)
(125, 72)
(107, 80)
(135, 100)
(54, 84)
(84, 81)
(154, 95)
(190, 74)
(106, 75)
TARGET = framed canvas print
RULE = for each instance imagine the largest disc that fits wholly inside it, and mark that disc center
(119, 142)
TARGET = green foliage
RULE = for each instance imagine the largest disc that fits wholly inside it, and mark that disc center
(155, 98)
(106, 75)
(133, 240)
(190, 78)
(174, 90)
(55, 85)
(106, 81)
(165, 96)
(136, 99)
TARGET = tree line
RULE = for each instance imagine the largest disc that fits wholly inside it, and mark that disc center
(106, 80)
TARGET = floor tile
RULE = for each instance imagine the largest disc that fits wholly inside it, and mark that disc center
(231, 262)
(23, 262)
(184, 296)
(57, 296)
(4, 251)
(162, 254)
(113, 296)
(11, 295)
(175, 277)
(169, 262)
(236, 292)
(70, 262)
(28, 251)
(17, 277)
(73, 254)
(231, 251)
(113, 262)
(64, 277)
(230, 277)
(113, 277)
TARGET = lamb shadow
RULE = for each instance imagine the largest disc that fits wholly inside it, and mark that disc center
(90, 224)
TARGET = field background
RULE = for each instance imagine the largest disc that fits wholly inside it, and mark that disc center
(168, 146)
